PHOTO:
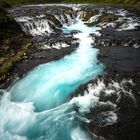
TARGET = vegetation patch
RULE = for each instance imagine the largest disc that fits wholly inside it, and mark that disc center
(9, 63)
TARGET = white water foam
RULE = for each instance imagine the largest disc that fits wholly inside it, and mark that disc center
(60, 122)
(51, 89)
(47, 87)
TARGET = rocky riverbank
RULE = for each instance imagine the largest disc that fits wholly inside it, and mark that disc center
(14, 44)
(120, 53)
(123, 63)
(20, 52)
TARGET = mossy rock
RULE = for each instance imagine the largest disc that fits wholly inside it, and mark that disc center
(8, 64)
(54, 20)
(6, 67)
(88, 15)
(107, 17)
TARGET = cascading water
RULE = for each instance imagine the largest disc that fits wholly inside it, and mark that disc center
(39, 106)
(48, 86)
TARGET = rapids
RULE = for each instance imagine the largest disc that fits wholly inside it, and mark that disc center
(45, 90)
(42, 106)
(52, 84)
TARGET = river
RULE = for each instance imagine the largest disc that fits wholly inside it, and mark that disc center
(42, 104)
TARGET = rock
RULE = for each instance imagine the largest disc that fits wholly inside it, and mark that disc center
(107, 17)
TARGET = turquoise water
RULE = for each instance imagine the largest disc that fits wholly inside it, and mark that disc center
(52, 84)
(37, 107)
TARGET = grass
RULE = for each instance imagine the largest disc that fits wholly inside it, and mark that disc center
(10, 63)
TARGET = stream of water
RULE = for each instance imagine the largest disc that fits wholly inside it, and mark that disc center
(42, 105)
(38, 108)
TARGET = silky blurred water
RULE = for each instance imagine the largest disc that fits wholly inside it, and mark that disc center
(52, 84)
(37, 107)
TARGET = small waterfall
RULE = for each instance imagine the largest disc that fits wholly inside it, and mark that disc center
(42, 99)
(37, 27)
(81, 14)
(44, 25)
(84, 58)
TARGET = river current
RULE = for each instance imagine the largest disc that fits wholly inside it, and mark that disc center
(42, 105)
(38, 101)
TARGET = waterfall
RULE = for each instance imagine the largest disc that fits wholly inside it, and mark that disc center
(77, 64)
(44, 25)
(41, 100)
(42, 104)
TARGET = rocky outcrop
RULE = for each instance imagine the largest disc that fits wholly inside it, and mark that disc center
(14, 44)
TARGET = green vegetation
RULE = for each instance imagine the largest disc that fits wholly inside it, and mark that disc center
(14, 44)
(10, 62)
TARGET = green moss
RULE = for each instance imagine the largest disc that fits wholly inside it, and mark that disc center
(88, 15)
(108, 18)
(5, 67)
(10, 63)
